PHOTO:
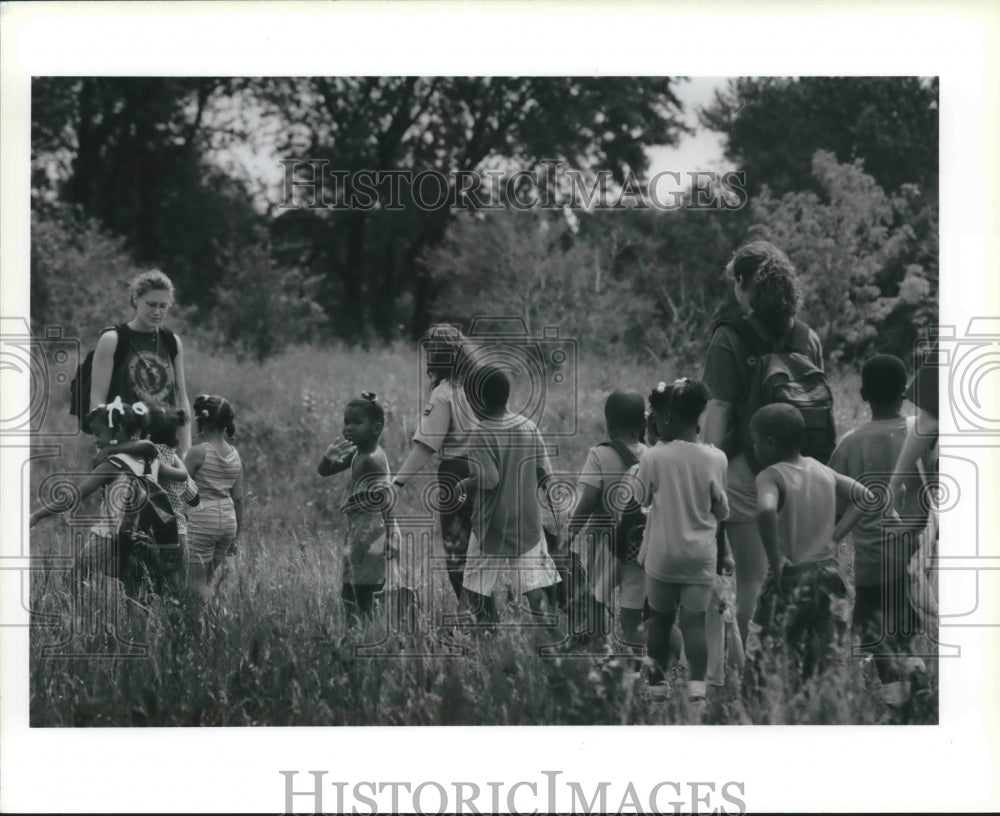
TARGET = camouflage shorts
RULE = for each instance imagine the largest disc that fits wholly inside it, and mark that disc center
(805, 613)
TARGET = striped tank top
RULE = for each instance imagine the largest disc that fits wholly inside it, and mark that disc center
(217, 475)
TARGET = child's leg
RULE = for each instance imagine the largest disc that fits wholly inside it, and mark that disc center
(456, 523)
(481, 608)
(631, 623)
(817, 624)
(632, 600)
(358, 601)
(663, 604)
(694, 604)
(751, 567)
(199, 587)
(404, 609)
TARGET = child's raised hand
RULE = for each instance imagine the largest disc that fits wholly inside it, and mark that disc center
(338, 451)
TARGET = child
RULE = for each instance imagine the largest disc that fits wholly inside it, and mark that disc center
(366, 505)
(508, 464)
(683, 482)
(603, 470)
(803, 602)
(884, 613)
(109, 424)
(215, 466)
(164, 428)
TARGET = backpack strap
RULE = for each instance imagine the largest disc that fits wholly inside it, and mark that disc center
(798, 338)
(627, 457)
(749, 334)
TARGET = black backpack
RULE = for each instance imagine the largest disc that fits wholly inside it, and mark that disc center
(630, 520)
(149, 546)
(79, 387)
(784, 373)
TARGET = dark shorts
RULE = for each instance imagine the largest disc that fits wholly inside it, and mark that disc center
(456, 517)
(885, 617)
(810, 600)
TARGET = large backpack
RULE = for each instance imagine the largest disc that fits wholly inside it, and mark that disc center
(79, 387)
(783, 372)
(149, 546)
(630, 520)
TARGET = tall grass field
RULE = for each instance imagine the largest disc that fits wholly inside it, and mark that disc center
(274, 649)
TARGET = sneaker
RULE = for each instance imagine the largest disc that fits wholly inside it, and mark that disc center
(658, 692)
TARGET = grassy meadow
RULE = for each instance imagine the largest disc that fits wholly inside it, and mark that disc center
(274, 650)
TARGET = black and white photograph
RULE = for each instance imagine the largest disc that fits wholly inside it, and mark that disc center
(351, 404)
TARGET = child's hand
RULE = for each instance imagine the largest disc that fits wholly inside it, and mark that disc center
(338, 451)
(728, 565)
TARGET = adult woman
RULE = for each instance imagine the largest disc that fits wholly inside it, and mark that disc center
(765, 289)
(441, 430)
(150, 366)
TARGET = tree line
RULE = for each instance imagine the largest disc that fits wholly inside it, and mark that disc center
(840, 171)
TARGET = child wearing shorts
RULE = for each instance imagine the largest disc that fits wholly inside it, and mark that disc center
(683, 482)
(801, 612)
(508, 463)
(885, 615)
(592, 523)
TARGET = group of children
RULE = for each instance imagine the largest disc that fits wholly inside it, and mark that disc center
(804, 508)
(205, 489)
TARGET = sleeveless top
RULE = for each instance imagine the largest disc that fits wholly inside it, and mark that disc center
(808, 510)
(217, 475)
(147, 371)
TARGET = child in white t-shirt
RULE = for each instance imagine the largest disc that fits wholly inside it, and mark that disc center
(683, 482)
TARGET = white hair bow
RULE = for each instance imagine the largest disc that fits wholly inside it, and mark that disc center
(112, 407)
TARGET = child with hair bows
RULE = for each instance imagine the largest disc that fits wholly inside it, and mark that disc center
(368, 543)
(117, 429)
(217, 470)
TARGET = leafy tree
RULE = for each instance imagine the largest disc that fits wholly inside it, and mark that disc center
(131, 152)
(774, 125)
(373, 262)
(862, 270)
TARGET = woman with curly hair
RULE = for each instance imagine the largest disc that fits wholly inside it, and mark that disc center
(765, 288)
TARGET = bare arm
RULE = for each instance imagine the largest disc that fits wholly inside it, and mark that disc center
(586, 506)
(914, 448)
(768, 497)
(181, 396)
(855, 496)
(194, 459)
(715, 423)
(100, 374)
(103, 474)
(175, 471)
(139, 448)
(420, 454)
(236, 494)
